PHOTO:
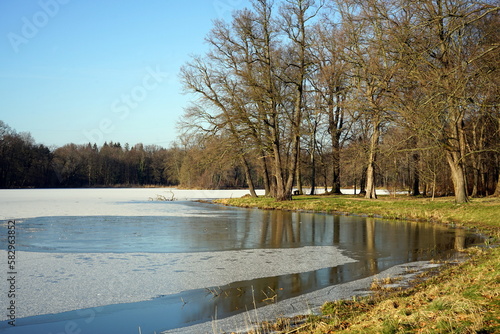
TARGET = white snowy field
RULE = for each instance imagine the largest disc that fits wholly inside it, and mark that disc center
(30, 203)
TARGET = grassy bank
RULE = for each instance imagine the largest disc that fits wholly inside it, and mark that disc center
(462, 298)
(482, 214)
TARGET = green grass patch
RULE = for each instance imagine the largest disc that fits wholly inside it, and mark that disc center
(483, 214)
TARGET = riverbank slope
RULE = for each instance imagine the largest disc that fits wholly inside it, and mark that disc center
(462, 298)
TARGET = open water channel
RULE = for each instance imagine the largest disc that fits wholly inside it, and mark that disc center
(208, 260)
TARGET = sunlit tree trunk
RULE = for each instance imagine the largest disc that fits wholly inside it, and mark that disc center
(458, 177)
(265, 168)
(455, 156)
(312, 156)
(248, 176)
(372, 157)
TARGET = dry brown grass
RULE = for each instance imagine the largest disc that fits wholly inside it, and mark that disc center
(461, 299)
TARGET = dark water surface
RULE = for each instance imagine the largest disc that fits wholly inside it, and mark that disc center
(194, 227)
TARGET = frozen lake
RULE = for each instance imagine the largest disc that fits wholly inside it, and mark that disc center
(112, 260)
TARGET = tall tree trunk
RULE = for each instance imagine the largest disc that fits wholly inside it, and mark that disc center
(297, 119)
(336, 168)
(248, 176)
(372, 157)
(292, 169)
(313, 167)
(299, 173)
(476, 142)
(281, 187)
(416, 175)
(267, 182)
(299, 181)
(335, 120)
(497, 190)
(362, 182)
(455, 155)
(475, 180)
(458, 176)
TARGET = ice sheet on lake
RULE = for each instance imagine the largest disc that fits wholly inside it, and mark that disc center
(59, 282)
(30, 203)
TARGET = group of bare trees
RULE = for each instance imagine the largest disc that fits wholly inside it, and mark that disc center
(114, 165)
(296, 89)
(25, 164)
(394, 93)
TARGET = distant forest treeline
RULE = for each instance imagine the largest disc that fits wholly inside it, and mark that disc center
(396, 94)
(23, 163)
(26, 164)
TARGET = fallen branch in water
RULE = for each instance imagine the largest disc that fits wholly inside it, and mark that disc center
(164, 198)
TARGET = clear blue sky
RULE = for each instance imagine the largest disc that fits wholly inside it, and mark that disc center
(92, 71)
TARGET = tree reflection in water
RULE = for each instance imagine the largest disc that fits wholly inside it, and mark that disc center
(375, 244)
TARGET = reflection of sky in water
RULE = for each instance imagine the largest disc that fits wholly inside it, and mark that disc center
(194, 227)
(199, 227)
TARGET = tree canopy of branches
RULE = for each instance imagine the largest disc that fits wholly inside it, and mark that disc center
(335, 80)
